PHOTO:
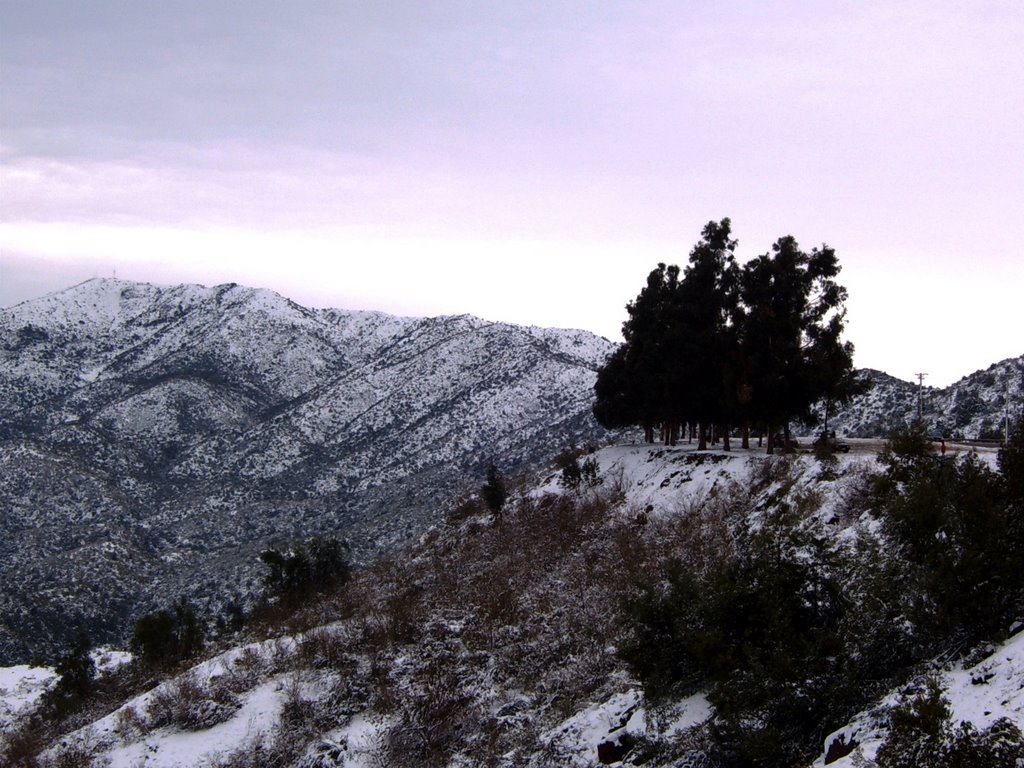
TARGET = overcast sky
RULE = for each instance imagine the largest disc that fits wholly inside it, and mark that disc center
(524, 161)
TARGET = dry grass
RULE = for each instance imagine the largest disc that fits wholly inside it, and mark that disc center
(190, 704)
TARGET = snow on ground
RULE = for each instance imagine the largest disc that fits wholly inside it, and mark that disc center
(20, 689)
(171, 747)
(22, 685)
(357, 745)
(979, 694)
(119, 739)
(624, 713)
(654, 479)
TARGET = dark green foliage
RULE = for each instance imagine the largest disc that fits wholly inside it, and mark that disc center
(165, 637)
(784, 666)
(1011, 465)
(577, 475)
(493, 491)
(672, 369)
(762, 630)
(915, 729)
(76, 680)
(715, 345)
(790, 635)
(957, 537)
(299, 572)
(617, 400)
(232, 617)
(153, 638)
(791, 320)
(922, 735)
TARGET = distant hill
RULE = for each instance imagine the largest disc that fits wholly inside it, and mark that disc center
(153, 439)
(973, 408)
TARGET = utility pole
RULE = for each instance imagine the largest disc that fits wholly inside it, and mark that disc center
(920, 385)
(1006, 415)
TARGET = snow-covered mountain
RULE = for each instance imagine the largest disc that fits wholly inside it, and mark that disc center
(153, 439)
(973, 408)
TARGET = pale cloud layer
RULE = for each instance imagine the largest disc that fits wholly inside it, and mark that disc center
(527, 162)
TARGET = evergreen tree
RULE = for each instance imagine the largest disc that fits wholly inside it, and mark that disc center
(493, 491)
(76, 679)
(617, 402)
(153, 638)
(165, 637)
(1011, 465)
(792, 319)
(300, 571)
(705, 304)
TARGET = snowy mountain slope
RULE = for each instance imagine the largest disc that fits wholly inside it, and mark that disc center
(154, 439)
(494, 641)
(973, 408)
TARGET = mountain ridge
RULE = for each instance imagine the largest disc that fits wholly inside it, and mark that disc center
(183, 428)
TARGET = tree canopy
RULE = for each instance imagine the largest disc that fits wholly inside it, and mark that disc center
(718, 345)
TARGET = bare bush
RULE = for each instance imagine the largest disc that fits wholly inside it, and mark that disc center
(767, 470)
(129, 724)
(435, 720)
(81, 753)
(325, 648)
(246, 670)
(855, 494)
(20, 746)
(190, 704)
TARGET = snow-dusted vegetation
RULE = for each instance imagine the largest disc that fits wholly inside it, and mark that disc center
(536, 635)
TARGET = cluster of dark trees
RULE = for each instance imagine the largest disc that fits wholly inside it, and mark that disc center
(718, 346)
(167, 637)
(300, 571)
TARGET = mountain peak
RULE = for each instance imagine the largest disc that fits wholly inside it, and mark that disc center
(183, 428)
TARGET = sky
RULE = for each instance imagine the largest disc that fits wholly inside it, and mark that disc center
(527, 162)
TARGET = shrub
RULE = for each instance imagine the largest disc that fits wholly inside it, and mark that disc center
(922, 735)
(576, 475)
(1011, 462)
(190, 704)
(956, 533)
(20, 746)
(759, 623)
(435, 720)
(164, 638)
(76, 681)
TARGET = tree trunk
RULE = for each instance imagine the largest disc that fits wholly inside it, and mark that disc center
(746, 435)
(702, 440)
(726, 446)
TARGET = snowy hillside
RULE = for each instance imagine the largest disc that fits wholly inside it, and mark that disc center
(973, 408)
(154, 439)
(496, 640)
